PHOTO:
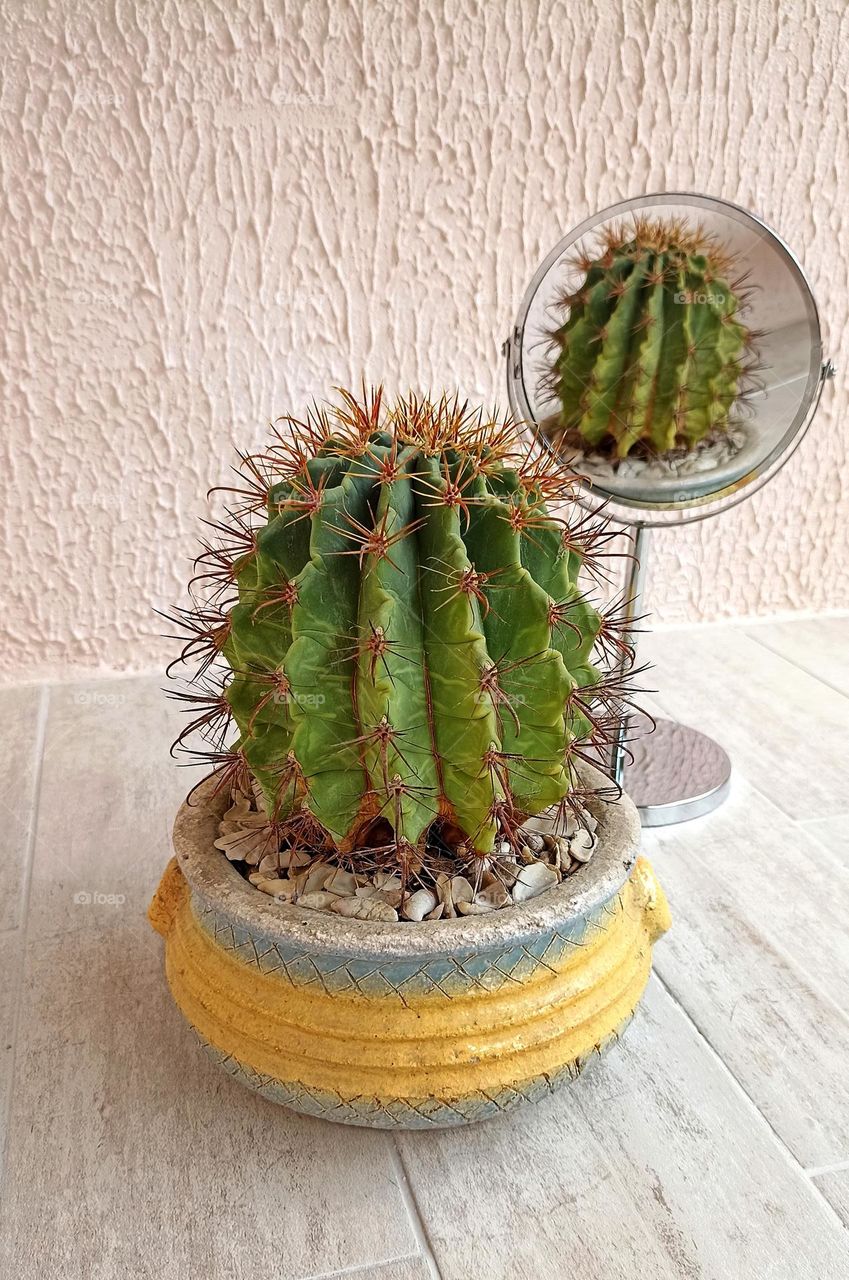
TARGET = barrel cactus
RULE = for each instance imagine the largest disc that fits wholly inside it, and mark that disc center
(653, 354)
(409, 661)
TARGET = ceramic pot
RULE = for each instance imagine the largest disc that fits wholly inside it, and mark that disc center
(407, 1025)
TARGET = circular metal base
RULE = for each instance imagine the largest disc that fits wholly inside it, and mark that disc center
(677, 774)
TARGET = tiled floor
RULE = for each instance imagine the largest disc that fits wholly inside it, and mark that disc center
(712, 1145)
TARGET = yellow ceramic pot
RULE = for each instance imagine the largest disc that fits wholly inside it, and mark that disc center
(407, 1025)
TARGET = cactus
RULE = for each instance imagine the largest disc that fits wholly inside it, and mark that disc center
(412, 662)
(653, 355)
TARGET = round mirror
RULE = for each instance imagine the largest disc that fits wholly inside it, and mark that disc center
(669, 351)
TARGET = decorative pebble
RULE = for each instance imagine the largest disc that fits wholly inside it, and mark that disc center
(508, 870)
(277, 888)
(364, 909)
(319, 901)
(511, 873)
(461, 889)
(343, 883)
(243, 847)
(316, 876)
(493, 897)
(443, 892)
(419, 904)
(532, 881)
(294, 858)
(582, 846)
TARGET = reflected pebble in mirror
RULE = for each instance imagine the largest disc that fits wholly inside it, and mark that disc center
(669, 350)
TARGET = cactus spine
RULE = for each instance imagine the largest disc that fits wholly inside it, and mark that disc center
(653, 355)
(410, 655)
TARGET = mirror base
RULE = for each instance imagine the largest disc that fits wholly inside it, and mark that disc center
(677, 774)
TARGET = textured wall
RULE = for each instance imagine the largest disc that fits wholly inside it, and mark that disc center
(214, 212)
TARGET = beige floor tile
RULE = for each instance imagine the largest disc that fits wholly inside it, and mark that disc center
(131, 1155)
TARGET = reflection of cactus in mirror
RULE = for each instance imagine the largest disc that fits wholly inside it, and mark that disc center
(653, 355)
(409, 648)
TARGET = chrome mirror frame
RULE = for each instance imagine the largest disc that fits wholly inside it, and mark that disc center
(677, 773)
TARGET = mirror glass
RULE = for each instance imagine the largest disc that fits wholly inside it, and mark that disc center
(669, 350)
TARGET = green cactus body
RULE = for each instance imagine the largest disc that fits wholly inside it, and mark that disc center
(652, 354)
(409, 645)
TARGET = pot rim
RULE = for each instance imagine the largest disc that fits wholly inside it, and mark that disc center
(224, 888)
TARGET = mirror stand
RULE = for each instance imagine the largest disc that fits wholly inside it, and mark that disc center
(673, 773)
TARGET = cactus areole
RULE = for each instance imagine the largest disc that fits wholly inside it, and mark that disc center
(652, 355)
(410, 662)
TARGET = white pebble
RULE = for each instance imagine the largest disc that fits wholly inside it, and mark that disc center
(493, 896)
(582, 845)
(319, 901)
(341, 882)
(533, 880)
(386, 881)
(364, 909)
(277, 888)
(461, 889)
(508, 870)
(294, 859)
(443, 892)
(316, 876)
(419, 904)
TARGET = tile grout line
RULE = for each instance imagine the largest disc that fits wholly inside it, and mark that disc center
(788, 960)
(359, 1268)
(416, 1220)
(791, 1159)
(774, 939)
(793, 663)
(23, 928)
(818, 1171)
(837, 864)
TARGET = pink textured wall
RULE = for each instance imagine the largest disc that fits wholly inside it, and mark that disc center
(213, 214)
